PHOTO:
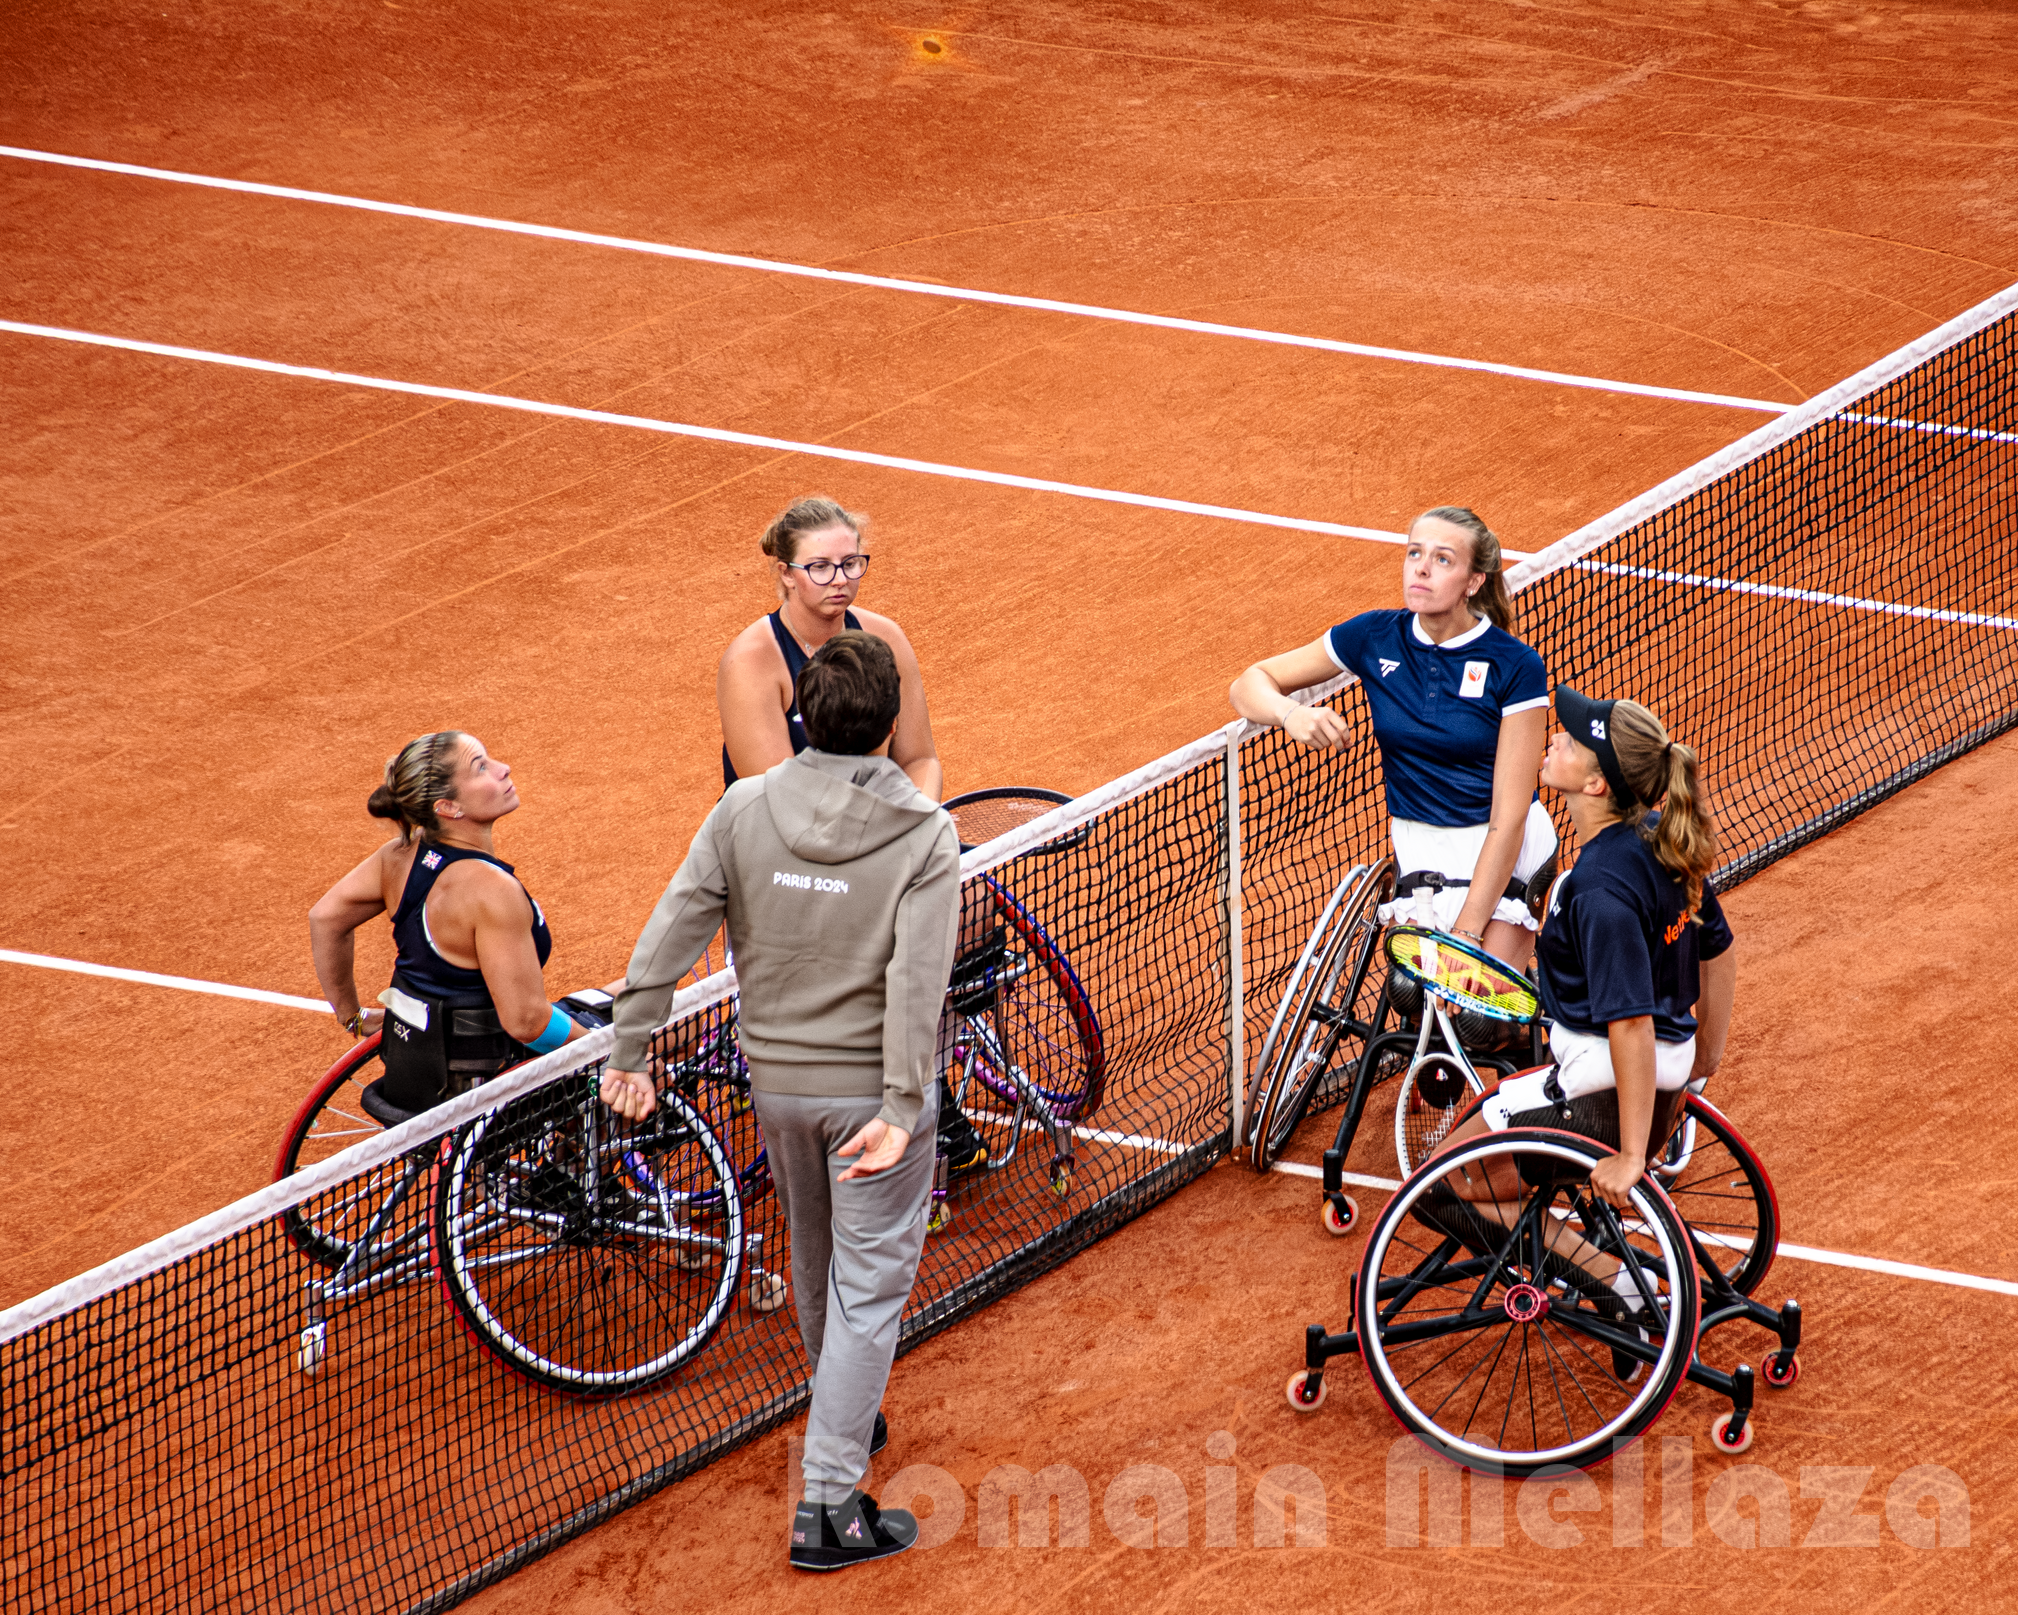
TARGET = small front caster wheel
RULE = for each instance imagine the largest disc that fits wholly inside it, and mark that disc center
(1720, 1437)
(1302, 1396)
(1340, 1216)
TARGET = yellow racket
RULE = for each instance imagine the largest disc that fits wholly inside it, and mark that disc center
(1463, 976)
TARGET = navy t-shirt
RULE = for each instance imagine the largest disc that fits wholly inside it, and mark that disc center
(1437, 708)
(1614, 945)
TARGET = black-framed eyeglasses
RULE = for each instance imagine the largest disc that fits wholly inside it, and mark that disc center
(822, 571)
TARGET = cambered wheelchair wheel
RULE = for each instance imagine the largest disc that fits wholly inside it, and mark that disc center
(1327, 1011)
(1042, 1020)
(331, 1119)
(1719, 1186)
(590, 1253)
(1486, 1335)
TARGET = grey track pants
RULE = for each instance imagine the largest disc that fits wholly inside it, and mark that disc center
(855, 1249)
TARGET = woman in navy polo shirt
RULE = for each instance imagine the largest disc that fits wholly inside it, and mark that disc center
(1635, 963)
(1459, 707)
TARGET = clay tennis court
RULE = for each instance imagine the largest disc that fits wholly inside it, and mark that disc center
(234, 592)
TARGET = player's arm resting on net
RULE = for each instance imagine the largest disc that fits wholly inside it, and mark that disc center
(914, 995)
(1261, 695)
(332, 939)
(685, 921)
(1517, 766)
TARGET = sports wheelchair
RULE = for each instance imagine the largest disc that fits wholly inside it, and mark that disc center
(1020, 1047)
(1481, 1307)
(591, 1254)
(1350, 1008)
(1487, 1336)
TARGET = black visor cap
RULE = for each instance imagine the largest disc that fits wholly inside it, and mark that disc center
(1589, 723)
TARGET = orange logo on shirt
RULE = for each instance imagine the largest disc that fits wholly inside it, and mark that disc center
(1673, 933)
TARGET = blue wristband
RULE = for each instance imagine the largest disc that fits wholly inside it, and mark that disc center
(558, 1027)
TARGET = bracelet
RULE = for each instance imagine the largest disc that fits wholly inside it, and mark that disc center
(354, 1025)
(1476, 936)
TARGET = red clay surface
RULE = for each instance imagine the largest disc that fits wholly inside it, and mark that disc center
(231, 596)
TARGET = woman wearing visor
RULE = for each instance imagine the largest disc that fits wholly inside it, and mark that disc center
(1635, 963)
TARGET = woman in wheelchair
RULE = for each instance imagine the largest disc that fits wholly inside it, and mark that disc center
(467, 998)
(1635, 963)
(1459, 707)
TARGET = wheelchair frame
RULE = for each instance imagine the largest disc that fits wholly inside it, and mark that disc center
(1708, 1300)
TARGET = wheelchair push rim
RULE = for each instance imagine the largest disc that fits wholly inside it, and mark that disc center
(570, 1262)
(1304, 1044)
(332, 1119)
(1498, 1353)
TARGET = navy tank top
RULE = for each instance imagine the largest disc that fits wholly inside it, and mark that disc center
(421, 970)
(795, 659)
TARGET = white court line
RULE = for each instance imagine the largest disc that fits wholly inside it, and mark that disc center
(1099, 1135)
(966, 294)
(1801, 1253)
(148, 978)
(1975, 619)
(712, 434)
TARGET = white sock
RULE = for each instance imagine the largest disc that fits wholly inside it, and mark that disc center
(1627, 1289)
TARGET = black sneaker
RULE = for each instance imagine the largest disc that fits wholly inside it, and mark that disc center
(958, 1142)
(850, 1533)
(879, 1438)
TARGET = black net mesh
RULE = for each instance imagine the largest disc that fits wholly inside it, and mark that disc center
(448, 1362)
(442, 1365)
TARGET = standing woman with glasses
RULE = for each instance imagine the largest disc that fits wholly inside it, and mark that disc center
(816, 552)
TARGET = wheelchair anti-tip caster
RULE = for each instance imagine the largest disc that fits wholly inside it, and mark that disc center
(1340, 1214)
(1303, 1396)
(1782, 1369)
(1061, 1179)
(767, 1292)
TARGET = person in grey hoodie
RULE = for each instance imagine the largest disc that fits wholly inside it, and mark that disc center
(840, 883)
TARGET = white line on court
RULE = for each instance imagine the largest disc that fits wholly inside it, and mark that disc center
(148, 978)
(1974, 619)
(712, 434)
(1801, 1253)
(773, 266)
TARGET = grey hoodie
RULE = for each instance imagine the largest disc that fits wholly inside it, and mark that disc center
(840, 881)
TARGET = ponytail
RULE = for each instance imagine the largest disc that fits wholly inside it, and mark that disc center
(1666, 774)
(423, 774)
(1492, 601)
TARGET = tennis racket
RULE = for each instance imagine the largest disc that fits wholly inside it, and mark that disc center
(1463, 976)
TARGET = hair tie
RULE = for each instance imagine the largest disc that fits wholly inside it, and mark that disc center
(1670, 746)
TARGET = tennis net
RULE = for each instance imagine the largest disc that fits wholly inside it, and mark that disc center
(448, 1346)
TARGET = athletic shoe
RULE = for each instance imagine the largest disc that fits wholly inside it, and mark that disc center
(958, 1142)
(879, 1438)
(850, 1533)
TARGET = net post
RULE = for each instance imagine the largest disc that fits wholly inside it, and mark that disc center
(1236, 1002)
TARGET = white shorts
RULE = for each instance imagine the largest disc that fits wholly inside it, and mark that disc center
(1583, 1066)
(1453, 850)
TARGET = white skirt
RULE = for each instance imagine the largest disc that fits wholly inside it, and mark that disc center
(1453, 850)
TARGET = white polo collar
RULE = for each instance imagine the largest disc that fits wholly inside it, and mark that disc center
(1463, 639)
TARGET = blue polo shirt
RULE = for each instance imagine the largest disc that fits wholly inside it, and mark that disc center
(1437, 708)
(1614, 945)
